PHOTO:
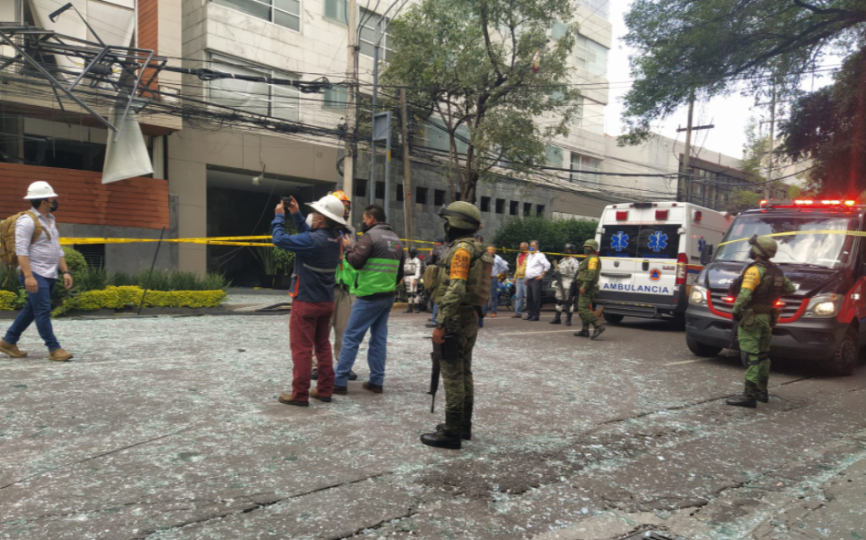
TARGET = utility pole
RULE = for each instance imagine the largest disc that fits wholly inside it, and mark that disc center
(407, 189)
(686, 173)
(351, 87)
(768, 184)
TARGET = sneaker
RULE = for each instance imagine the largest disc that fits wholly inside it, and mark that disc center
(11, 350)
(353, 376)
(289, 399)
(59, 355)
(376, 389)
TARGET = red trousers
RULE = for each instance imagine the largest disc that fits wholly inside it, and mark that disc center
(309, 328)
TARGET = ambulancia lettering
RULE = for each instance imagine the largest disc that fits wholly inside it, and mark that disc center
(657, 289)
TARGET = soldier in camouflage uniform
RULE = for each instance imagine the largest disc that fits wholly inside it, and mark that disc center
(566, 269)
(462, 288)
(586, 284)
(760, 285)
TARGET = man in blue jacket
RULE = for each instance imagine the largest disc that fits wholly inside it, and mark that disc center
(317, 254)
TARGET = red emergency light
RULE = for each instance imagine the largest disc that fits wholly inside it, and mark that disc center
(699, 215)
(622, 215)
(808, 203)
(778, 304)
(728, 299)
(661, 214)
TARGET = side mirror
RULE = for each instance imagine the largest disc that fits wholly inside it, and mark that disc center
(706, 254)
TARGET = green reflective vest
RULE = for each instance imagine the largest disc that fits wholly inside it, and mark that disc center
(379, 274)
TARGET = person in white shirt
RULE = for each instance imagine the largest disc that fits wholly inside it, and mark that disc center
(411, 276)
(537, 266)
(500, 266)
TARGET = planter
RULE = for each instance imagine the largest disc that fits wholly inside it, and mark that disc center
(283, 282)
(266, 281)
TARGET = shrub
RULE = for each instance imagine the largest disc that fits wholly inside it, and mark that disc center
(285, 260)
(75, 261)
(9, 279)
(120, 297)
(91, 279)
(7, 300)
(551, 235)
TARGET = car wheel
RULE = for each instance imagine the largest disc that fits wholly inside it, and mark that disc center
(845, 358)
(702, 349)
(613, 318)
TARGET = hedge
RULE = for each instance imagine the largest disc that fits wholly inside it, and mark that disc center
(7, 300)
(552, 235)
(120, 297)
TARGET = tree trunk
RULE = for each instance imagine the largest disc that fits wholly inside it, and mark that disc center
(469, 191)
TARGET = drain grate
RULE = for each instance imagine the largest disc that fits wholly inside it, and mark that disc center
(651, 535)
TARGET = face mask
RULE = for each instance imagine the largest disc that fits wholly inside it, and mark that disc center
(364, 227)
(309, 221)
(531, 248)
(54, 206)
(587, 251)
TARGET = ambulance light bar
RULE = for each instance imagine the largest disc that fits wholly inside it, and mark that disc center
(808, 203)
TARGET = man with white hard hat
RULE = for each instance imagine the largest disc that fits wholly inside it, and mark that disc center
(317, 255)
(39, 256)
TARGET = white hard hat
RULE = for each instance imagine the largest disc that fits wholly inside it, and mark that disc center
(40, 190)
(331, 207)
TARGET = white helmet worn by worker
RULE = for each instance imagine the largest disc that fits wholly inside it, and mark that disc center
(331, 207)
(40, 190)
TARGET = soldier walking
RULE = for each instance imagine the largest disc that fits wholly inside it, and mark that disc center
(760, 285)
(462, 287)
(566, 269)
(586, 284)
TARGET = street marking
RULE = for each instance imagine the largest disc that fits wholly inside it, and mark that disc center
(685, 362)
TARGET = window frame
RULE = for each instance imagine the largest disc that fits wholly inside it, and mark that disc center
(438, 197)
(500, 206)
(485, 204)
(514, 208)
(385, 52)
(582, 44)
(420, 195)
(271, 14)
(295, 94)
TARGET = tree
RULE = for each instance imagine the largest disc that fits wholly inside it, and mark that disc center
(472, 65)
(828, 126)
(710, 47)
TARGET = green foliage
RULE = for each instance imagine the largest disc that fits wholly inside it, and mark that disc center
(267, 259)
(828, 127)
(551, 235)
(285, 260)
(75, 261)
(7, 300)
(743, 199)
(708, 47)
(121, 297)
(470, 64)
(91, 279)
(9, 279)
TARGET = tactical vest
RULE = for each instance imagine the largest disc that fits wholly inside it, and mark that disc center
(379, 274)
(480, 268)
(768, 291)
(584, 268)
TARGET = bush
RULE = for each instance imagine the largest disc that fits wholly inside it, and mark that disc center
(285, 261)
(551, 235)
(7, 300)
(75, 261)
(9, 279)
(120, 297)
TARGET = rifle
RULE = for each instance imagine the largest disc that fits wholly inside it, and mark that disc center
(734, 343)
(435, 356)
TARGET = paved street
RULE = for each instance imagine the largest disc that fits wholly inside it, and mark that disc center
(169, 428)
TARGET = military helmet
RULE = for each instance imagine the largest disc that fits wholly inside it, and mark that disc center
(569, 248)
(462, 215)
(591, 244)
(764, 246)
(413, 252)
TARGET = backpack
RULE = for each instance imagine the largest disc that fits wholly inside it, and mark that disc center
(7, 237)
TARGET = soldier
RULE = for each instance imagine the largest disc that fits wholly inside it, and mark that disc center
(760, 285)
(411, 276)
(461, 289)
(567, 269)
(586, 284)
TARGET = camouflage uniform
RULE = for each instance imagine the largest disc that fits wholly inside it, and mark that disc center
(587, 279)
(566, 269)
(763, 283)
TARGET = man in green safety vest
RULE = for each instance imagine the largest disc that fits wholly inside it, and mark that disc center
(378, 259)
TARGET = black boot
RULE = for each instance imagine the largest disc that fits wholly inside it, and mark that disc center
(314, 375)
(409, 309)
(442, 439)
(465, 432)
(762, 396)
(582, 333)
(745, 399)
(568, 318)
(557, 319)
(417, 308)
(598, 331)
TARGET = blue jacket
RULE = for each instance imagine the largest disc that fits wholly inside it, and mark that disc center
(317, 255)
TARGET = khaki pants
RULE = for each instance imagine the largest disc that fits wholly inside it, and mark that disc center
(342, 309)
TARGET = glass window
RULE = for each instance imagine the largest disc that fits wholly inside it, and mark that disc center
(500, 206)
(485, 204)
(380, 190)
(285, 13)
(334, 98)
(554, 156)
(369, 33)
(527, 209)
(360, 188)
(580, 163)
(337, 11)
(513, 208)
(590, 56)
(619, 241)
(597, 7)
(539, 210)
(421, 195)
(276, 101)
(399, 192)
(658, 242)
(438, 197)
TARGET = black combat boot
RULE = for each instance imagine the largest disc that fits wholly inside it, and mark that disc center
(583, 333)
(746, 399)
(763, 396)
(568, 318)
(409, 309)
(598, 331)
(465, 432)
(557, 319)
(442, 439)
(417, 308)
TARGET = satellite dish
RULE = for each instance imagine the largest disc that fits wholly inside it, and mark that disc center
(127, 156)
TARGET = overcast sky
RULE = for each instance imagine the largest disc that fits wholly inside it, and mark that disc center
(730, 115)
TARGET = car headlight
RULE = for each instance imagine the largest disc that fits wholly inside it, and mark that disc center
(698, 295)
(824, 306)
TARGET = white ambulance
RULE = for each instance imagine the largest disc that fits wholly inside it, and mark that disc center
(651, 256)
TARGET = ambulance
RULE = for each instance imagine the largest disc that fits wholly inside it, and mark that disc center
(651, 255)
(822, 251)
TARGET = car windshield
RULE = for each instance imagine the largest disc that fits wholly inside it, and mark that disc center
(813, 245)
